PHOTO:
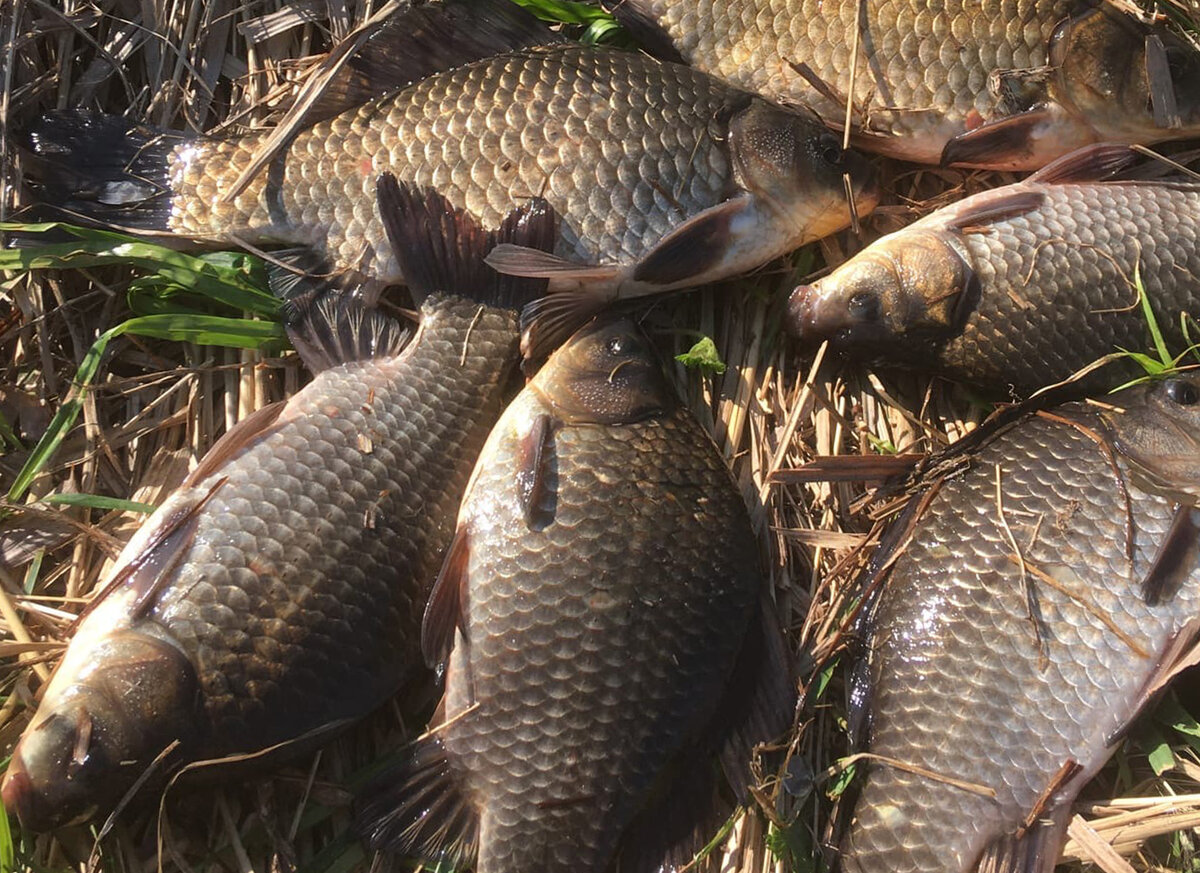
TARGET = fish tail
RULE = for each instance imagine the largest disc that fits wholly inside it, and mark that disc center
(420, 808)
(104, 168)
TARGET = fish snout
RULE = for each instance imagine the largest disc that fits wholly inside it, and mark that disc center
(42, 785)
(799, 320)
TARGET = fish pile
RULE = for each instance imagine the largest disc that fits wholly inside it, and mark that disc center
(572, 557)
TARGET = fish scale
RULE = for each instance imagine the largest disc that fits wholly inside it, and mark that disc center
(922, 67)
(572, 125)
(281, 592)
(960, 684)
(1022, 285)
(582, 645)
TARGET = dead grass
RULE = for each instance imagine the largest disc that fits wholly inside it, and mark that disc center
(158, 406)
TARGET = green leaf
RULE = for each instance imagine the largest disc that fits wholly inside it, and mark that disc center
(1160, 344)
(842, 781)
(1161, 758)
(703, 356)
(99, 501)
(565, 11)
(7, 850)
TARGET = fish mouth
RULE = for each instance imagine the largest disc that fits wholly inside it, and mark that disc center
(23, 799)
(800, 320)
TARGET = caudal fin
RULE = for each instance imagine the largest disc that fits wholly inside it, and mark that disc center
(103, 167)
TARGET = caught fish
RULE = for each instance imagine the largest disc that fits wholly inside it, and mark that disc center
(996, 85)
(1022, 285)
(278, 593)
(600, 613)
(1042, 598)
(661, 176)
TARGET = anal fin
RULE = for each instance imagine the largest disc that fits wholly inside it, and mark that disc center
(420, 808)
(1028, 850)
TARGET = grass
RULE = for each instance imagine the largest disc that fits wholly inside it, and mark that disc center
(121, 362)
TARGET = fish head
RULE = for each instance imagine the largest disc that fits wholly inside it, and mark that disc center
(789, 160)
(1110, 78)
(606, 373)
(912, 286)
(1125, 80)
(95, 734)
(1157, 428)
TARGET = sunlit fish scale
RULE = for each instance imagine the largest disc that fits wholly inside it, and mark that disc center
(1000, 85)
(1025, 623)
(278, 594)
(1021, 286)
(604, 583)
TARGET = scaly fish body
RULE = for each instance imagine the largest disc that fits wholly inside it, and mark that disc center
(281, 589)
(625, 149)
(1019, 286)
(604, 577)
(1058, 73)
(1023, 627)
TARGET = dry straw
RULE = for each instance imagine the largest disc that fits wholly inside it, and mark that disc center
(157, 406)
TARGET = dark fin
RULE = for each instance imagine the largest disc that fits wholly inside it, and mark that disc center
(548, 322)
(441, 248)
(1181, 652)
(850, 468)
(1092, 163)
(420, 809)
(446, 611)
(1032, 850)
(419, 41)
(338, 328)
(995, 143)
(297, 277)
(147, 571)
(996, 205)
(633, 16)
(682, 816)
(759, 701)
(692, 249)
(233, 441)
(531, 478)
(1177, 555)
(102, 167)
(1161, 84)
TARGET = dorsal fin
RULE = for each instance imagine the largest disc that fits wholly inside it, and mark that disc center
(446, 611)
(424, 39)
(340, 328)
(999, 204)
(442, 248)
(233, 441)
(1092, 163)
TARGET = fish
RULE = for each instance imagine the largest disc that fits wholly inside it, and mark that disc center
(1036, 603)
(661, 177)
(1023, 285)
(277, 595)
(601, 624)
(1003, 86)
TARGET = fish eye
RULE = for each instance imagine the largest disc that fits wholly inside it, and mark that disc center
(830, 150)
(1182, 392)
(619, 345)
(864, 306)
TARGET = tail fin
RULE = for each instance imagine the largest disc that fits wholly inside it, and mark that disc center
(103, 167)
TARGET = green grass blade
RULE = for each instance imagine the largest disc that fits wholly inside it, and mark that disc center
(99, 501)
(8, 852)
(1160, 345)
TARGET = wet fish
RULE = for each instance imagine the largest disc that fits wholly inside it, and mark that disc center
(1022, 285)
(662, 177)
(278, 593)
(598, 613)
(998, 85)
(1041, 599)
